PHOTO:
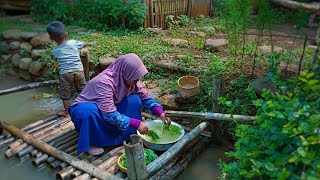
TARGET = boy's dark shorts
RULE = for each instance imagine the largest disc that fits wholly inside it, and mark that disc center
(68, 80)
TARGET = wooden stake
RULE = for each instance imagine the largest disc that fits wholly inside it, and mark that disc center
(216, 127)
(136, 165)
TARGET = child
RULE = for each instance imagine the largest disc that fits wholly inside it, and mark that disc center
(66, 54)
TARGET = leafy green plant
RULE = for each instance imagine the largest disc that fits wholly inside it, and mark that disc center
(149, 156)
(284, 142)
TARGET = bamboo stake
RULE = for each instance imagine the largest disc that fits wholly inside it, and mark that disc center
(157, 164)
(95, 171)
(210, 116)
(29, 86)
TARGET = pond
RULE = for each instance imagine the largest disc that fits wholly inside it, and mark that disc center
(21, 109)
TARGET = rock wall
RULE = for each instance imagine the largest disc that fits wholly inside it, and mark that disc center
(21, 52)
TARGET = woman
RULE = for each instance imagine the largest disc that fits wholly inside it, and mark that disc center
(108, 110)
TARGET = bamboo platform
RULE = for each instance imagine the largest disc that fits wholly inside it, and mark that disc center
(57, 133)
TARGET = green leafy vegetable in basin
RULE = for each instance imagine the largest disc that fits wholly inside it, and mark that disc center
(164, 133)
(149, 156)
(153, 135)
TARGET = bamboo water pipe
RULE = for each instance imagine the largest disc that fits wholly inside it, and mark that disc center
(95, 171)
(210, 116)
(29, 86)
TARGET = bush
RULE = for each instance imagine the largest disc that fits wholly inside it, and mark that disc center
(98, 14)
(284, 142)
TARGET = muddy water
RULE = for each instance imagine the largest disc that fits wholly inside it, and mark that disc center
(205, 166)
(21, 109)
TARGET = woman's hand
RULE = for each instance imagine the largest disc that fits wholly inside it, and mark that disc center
(143, 128)
(166, 120)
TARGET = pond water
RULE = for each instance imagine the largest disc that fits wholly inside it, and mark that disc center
(21, 109)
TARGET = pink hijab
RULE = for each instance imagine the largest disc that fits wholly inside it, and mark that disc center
(108, 88)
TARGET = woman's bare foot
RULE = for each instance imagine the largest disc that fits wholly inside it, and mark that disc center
(95, 150)
(63, 113)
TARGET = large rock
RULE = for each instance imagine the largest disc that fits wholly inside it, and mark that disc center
(154, 92)
(216, 45)
(178, 42)
(26, 47)
(40, 40)
(24, 63)
(5, 58)
(14, 45)
(201, 34)
(35, 68)
(208, 29)
(4, 47)
(263, 83)
(268, 49)
(25, 75)
(168, 102)
(105, 62)
(36, 53)
(155, 30)
(15, 60)
(12, 34)
(28, 35)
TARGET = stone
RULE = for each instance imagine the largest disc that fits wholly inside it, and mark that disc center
(36, 53)
(208, 29)
(26, 47)
(216, 45)
(4, 47)
(154, 30)
(201, 34)
(80, 30)
(14, 45)
(28, 35)
(10, 72)
(168, 102)
(12, 34)
(154, 92)
(24, 63)
(178, 42)
(267, 49)
(25, 75)
(183, 100)
(35, 68)
(104, 62)
(263, 83)
(15, 60)
(5, 58)
(41, 40)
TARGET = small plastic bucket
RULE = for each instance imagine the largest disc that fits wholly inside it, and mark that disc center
(188, 86)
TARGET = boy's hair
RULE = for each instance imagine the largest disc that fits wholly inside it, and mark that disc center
(56, 28)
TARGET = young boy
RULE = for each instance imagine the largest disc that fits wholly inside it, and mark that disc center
(70, 66)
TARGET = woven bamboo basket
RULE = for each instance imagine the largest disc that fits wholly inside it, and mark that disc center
(188, 86)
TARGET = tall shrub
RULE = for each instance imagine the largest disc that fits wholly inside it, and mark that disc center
(284, 142)
(97, 14)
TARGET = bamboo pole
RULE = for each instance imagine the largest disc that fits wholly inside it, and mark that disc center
(28, 86)
(311, 7)
(95, 171)
(210, 116)
(157, 164)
